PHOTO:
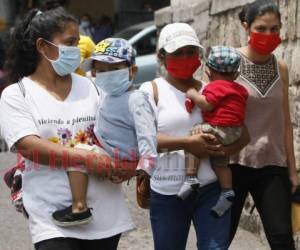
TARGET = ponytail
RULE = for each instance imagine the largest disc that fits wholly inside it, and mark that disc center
(22, 54)
(242, 14)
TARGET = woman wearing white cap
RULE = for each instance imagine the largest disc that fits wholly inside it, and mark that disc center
(179, 52)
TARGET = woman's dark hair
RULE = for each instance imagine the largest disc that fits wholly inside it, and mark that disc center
(22, 57)
(161, 54)
(258, 8)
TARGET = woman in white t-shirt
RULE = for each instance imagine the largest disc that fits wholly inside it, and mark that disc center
(43, 116)
(179, 53)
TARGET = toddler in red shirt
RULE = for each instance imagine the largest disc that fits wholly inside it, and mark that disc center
(223, 104)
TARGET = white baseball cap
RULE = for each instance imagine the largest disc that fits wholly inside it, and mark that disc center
(177, 35)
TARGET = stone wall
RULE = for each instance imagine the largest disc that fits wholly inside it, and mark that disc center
(216, 23)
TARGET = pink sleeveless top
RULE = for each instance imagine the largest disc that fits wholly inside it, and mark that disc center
(264, 116)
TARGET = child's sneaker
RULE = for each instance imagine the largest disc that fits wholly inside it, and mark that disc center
(224, 203)
(66, 218)
(190, 184)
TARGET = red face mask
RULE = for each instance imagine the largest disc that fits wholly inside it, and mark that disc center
(264, 44)
(183, 67)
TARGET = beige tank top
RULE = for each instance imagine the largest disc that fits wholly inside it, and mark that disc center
(264, 115)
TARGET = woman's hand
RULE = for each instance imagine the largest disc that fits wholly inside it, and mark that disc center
(210, 143)
(125, 171)
(203, 145)
(102, 165)
(198, 144)
(294, 179)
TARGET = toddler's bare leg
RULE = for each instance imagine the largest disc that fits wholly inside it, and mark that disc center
(224, 176)
(191, 163)
(78, 213)
(78, 184)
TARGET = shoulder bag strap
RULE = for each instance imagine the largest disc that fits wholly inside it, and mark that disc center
(155, 92)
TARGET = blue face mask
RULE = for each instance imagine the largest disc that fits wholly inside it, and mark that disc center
(68, 59)
(115, 82)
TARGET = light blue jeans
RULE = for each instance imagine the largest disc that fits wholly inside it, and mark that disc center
(171, 220)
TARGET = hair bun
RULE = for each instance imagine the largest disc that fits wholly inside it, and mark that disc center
(242, 14)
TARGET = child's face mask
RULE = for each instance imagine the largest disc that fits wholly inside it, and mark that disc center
(115, 82)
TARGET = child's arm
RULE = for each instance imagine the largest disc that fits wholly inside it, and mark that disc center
(199, 100)
(145, 128)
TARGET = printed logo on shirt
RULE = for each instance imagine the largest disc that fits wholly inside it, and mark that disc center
(66, 138)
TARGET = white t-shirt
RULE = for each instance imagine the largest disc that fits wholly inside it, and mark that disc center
(174, 120)
(44, 189)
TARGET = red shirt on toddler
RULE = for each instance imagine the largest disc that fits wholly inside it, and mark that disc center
(229, 101)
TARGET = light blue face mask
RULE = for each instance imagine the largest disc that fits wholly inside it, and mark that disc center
(68, 59)
(115, 82)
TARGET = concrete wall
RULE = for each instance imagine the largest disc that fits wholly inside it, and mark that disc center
(216, 23)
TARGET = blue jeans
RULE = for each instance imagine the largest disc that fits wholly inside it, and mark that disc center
(171, 220)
